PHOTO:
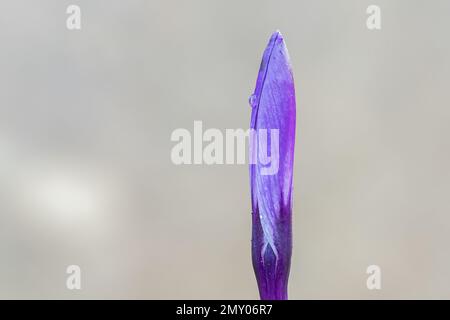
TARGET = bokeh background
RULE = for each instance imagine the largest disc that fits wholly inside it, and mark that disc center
(86, 176)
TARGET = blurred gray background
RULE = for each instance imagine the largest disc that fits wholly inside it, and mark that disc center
(85, 170)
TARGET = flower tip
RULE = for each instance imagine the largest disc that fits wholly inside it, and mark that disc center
(277, 33)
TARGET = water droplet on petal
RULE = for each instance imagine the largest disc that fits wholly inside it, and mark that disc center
(252, 100)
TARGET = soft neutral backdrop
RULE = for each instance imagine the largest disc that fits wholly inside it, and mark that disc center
(85, 170)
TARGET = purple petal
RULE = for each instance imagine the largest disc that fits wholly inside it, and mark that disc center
(273, 107)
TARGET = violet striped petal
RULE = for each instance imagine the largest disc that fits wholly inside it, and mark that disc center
(273, 107)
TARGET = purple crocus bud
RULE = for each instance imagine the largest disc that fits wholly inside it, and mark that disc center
(273, 111)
